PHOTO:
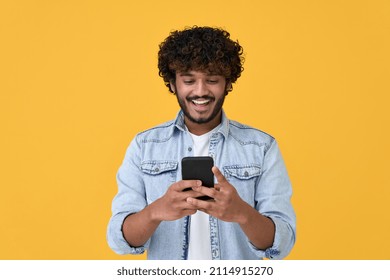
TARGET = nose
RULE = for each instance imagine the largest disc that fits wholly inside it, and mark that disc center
(200, 88)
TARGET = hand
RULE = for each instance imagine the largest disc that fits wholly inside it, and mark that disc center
(227, 204)
(173, 204)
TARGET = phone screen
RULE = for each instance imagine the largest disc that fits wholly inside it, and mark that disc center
(198, 168)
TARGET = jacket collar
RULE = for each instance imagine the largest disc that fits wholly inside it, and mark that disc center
(223, 129)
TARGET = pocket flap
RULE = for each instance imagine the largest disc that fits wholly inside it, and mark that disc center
(155, 167)
(243, 171)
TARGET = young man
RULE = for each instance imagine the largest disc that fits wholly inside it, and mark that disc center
(250, 215)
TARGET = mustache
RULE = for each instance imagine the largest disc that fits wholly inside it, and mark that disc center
(204, 97)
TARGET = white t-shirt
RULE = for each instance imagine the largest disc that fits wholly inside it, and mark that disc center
(200, 245)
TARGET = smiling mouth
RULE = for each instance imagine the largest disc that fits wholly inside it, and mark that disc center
(201, 102)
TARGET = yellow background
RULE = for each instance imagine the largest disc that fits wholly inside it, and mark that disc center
(78, 79)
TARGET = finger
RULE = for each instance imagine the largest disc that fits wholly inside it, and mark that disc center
(205, 205)
(218, 174)
(194, 194)
(186, 184)
(191, 193)
(185, 206)
(201, 190)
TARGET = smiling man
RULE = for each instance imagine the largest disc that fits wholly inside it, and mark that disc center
(250, 215)
(200, 96)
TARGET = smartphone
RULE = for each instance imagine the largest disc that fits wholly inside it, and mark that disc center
(198, 168)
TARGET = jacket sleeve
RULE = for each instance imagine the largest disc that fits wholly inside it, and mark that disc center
(129, 199)
(272, 199)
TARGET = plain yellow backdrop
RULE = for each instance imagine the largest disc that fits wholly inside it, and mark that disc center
(78, 80)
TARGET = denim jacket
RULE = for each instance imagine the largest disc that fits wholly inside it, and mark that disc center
(249, 159)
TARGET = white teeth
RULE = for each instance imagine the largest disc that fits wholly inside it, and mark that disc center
(200, 102)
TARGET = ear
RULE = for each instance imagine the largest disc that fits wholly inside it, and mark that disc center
(229, 87)
(172, 86)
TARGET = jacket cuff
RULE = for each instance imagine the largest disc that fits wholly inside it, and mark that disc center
(283, 242)
(117, 241)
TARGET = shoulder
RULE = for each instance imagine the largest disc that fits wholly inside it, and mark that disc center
(248, 135)
(158, 133)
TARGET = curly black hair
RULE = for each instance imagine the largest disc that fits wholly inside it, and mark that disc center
(201, 49)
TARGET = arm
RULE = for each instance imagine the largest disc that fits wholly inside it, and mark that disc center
(139, 227)
(229, 207)
(133, 219)
(270, 224)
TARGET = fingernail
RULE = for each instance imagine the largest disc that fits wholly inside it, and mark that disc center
(199, 183)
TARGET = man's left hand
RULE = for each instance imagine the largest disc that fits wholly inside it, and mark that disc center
(227, 204)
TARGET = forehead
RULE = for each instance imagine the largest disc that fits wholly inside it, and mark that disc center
(196, 73)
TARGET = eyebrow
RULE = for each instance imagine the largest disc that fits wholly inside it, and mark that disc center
(188, 74)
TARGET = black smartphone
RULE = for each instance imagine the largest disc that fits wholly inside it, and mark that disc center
(198, 168)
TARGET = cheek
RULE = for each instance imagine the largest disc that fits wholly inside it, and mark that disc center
(182, 91)
(180, 97)
(182, 101)
(221, 94)
(219, 91)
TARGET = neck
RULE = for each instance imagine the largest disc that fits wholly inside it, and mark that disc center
(202, 128)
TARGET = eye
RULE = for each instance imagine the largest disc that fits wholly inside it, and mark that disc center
(212, 81)
(188, 82)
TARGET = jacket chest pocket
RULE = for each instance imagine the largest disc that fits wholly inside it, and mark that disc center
(159, 175)
(244, 178)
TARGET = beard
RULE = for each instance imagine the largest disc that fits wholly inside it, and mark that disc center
(217, 108)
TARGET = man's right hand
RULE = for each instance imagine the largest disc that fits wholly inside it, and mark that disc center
(173, 204)
(139, 227)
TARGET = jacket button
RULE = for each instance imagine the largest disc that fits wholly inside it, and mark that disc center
(189, 149)
(156, 169)
(246, 174)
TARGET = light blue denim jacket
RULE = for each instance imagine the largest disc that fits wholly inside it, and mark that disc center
(249, 159)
